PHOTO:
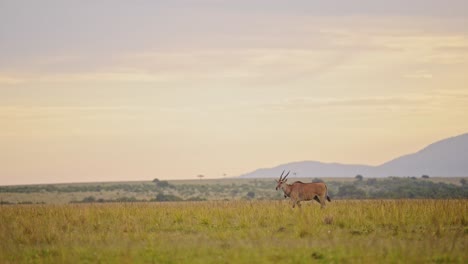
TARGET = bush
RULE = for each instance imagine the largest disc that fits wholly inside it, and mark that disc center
(194, 199)
(372, 181)
(351, 191)
(250, 195)
(166, 198)
(89, 199)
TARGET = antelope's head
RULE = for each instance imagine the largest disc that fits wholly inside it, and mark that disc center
(281, 180)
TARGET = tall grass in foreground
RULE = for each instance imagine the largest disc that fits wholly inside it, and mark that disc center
(392, 231)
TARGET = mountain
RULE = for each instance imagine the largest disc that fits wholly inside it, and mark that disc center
(448, 157)
(444, 158)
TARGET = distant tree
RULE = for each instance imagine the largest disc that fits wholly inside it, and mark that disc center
(317, 180)
(463, 182)
(163, 184)
(200, 176)
(425, 176)
(250, 195)
(359, 177)
(372, 181)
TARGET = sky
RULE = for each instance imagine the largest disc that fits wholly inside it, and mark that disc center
(136, 90)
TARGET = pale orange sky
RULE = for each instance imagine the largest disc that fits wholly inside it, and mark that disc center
(122, 91)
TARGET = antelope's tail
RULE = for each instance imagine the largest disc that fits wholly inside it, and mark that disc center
(328, 197)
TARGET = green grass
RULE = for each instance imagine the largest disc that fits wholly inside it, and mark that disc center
(374, 231)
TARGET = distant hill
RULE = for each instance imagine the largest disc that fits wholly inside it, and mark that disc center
(444, 158)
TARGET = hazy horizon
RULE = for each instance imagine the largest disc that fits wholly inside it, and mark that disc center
(120, 91)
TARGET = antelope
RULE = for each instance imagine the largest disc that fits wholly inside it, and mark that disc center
(299, 191)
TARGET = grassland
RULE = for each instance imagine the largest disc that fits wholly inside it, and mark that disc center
(347, 231)
(231, 189)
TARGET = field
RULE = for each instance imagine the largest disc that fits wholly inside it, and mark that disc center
(241, 231)
(230, 189)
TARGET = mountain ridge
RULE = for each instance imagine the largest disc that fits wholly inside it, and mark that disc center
(444, 158)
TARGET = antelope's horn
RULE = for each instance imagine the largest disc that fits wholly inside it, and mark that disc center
(280, 179)
(286, 175)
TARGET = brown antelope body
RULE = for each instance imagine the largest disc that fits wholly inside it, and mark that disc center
(299, 191)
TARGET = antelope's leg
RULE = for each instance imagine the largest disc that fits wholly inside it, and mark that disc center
(322, 201)
(299, 204)
(316, 199)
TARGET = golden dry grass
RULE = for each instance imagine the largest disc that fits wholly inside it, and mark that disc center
(391, 231)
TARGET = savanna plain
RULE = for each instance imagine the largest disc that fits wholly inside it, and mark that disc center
(236, 231)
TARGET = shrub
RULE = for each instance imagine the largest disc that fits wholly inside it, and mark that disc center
(166, 198)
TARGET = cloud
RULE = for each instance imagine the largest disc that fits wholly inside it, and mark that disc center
(418, 75)
(434, 101)
(111, 76)
(28, 113)
(9, 80)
